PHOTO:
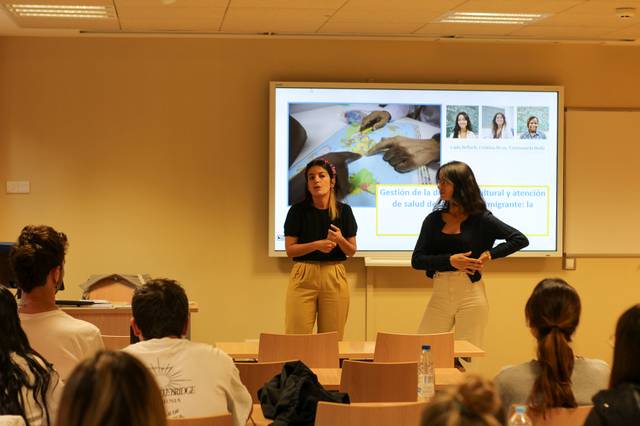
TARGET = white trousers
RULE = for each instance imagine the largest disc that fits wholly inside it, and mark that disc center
(456, 301)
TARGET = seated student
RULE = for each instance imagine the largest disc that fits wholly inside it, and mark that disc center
(37, 260)
(557, 378)
(474, 402)
(195, 379)
(620, 404)
(111, 389)
(29, 386)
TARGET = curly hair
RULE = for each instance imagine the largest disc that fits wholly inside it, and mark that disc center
(38, 250)
(475, 402)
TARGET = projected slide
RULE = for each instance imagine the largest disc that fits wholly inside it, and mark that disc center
(387, 145)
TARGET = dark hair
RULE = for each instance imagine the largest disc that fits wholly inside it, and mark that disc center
(626, 352)
(38, 250)
(494, 125)
(466, 191)
(456, 127)
(331, 170)
(553, 311)
(531, 118)
(475, 402)
(13, 378)
(112, 388)
(160, 309)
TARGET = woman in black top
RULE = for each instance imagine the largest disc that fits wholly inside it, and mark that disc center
(455, 242)
(620, 404)
(320, 233)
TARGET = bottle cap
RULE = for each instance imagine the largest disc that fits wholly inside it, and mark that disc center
(426, 347)
(521, 408)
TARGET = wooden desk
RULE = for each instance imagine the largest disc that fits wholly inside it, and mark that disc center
(346, 349)
(330, 379)
(111, 320)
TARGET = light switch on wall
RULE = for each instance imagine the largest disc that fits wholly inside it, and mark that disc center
(569, 263)
(18, 187)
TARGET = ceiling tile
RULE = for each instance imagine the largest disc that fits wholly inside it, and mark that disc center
(626, 33)
(288, 4)
(518, 6)
(171, 17)
(564, 32)
(369, 28)
(448, 29)
(259, 20)
(168, 3)
(385, 11)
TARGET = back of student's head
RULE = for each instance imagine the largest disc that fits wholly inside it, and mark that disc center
(473, 403)
(160, 309)
(112, 388)
(16, 354)
(626, 354)
(38, 250)
(553, 313)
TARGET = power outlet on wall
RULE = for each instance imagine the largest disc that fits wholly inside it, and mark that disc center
(18, 187)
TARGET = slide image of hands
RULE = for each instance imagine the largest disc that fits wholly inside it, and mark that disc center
(462, 121)
(498, 122)
(369, 144)
(533, 122)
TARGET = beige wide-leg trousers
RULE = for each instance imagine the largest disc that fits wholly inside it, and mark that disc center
(317, 289)
(456, 301)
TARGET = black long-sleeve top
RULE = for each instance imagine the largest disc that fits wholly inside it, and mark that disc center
(477, 234)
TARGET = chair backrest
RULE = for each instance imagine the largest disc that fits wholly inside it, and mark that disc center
(378, 414)
(380, 381)
(315, 350)
(394, 347)
(115, 342)
(563, 416)
(255, 374)
(220, 420)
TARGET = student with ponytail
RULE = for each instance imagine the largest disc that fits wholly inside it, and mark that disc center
(320, 233)
(557, 378)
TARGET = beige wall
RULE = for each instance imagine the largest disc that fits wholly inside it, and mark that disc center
(152, 155)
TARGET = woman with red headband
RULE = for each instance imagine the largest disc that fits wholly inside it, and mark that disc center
(320, 233)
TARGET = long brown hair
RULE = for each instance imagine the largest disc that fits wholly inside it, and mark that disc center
(626, 367)
(494, 125)
(111, 389)
(553, 312)
(331, 170)
(466, 191)
(34, 378)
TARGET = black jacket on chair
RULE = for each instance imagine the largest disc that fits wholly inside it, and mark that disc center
(291, 397)
(619, 406)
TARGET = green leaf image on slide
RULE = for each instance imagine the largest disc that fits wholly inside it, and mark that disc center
(362, 181)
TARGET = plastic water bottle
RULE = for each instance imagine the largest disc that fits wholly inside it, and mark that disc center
(426, 376)
(519, 417)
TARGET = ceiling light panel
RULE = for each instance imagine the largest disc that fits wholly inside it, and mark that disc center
(490, 18)
(30, 10)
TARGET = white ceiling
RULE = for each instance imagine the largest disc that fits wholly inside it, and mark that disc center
(591, 21)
